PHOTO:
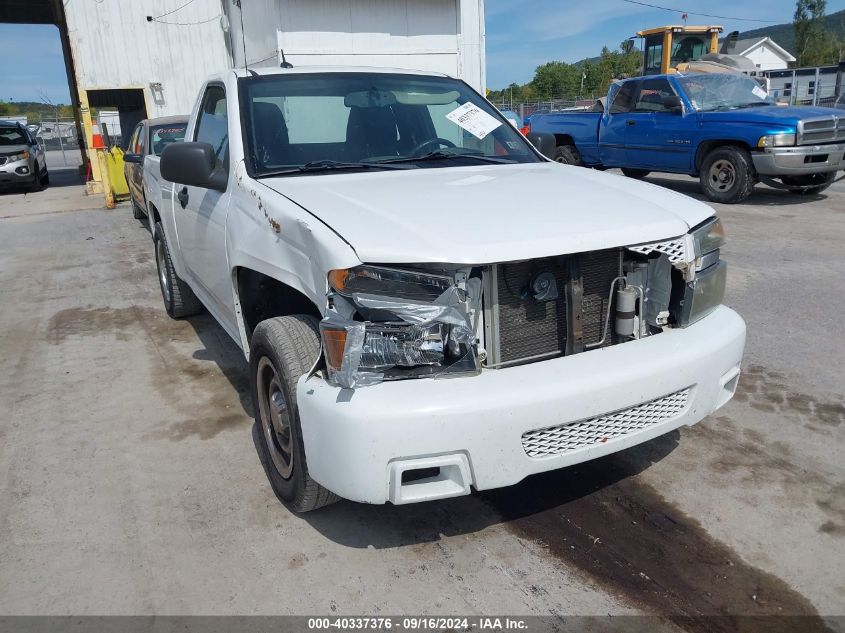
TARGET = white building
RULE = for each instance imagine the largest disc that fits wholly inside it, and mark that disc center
(764, 52)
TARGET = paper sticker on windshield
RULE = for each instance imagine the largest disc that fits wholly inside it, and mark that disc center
(759, 92)
(474, 120)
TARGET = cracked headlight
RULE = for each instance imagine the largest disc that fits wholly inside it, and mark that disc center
(695, 300)
(777, 140)
(387, 324)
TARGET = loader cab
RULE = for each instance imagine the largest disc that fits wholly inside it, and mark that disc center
(666, 47)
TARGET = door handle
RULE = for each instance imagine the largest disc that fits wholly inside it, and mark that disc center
(182, 196)
(631, 122)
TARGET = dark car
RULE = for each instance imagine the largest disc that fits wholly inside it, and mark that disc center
(22, 160)
(150, 136)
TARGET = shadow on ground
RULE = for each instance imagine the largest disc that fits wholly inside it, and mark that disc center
(761, 196)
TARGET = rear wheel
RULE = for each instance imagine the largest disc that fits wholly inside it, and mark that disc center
(281, 351)
(137, 212)
(635, 173)
(179, 300)
(568, 155)
(727, 174)
(810, 184)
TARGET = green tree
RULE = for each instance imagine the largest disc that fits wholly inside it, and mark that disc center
(814, 46)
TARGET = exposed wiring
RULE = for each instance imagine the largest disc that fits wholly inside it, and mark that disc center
(704, 15)
(150, 18)
(188, 23)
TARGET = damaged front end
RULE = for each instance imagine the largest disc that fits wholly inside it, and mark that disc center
(388, 324)
(385, 323)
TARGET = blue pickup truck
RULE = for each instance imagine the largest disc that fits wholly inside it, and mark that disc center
(719, 127)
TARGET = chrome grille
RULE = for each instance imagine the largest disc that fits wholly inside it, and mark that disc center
(675, 250)
(557, 440)
(826, 130)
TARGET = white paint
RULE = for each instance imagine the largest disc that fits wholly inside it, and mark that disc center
(483, 417)
(296, 229)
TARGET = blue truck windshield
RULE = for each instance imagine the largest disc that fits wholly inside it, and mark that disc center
(366, 120)
(723, 91)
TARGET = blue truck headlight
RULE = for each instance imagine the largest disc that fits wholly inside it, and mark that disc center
(777, 140)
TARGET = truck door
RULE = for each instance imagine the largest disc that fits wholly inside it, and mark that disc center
(201, 213)
(657, 136)
(613, 126)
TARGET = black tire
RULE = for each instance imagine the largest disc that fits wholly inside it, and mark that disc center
(281, 351)
(37, 180)
(179, 300)
(137, 212)
(45, 179)
(635, 173)
(568, 155)
(727, 174)
(809, 185)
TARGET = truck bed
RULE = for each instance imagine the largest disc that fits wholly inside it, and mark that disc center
(582, 127)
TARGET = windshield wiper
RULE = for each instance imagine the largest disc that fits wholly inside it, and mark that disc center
(445, 154)
(330, 165)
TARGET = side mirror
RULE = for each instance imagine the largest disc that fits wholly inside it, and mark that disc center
(132, 158)
(673, 104)
(193, 164)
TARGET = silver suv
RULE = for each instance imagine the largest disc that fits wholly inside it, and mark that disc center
(22, 161)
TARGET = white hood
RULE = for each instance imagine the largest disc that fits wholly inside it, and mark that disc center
(489, 213)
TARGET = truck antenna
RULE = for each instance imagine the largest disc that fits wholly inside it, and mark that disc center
(238, 4)
(285, 63)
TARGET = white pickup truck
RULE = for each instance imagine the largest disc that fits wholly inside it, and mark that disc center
(427, 304)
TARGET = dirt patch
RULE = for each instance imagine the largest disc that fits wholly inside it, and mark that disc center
(196, 368)
(768, 391)
(596, 517)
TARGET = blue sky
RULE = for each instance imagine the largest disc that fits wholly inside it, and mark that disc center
(521, 35)
(32, 62)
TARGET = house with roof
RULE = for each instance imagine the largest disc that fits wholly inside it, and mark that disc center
(764, 52)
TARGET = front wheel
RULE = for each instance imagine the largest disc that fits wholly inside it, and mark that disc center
(727, 174)
(568, 155)
(809, 185)
(281, 351)
(635, 173)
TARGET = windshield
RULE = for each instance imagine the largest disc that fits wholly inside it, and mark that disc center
(11, 136)
(363, 120)
(163, 135)
(723, 91)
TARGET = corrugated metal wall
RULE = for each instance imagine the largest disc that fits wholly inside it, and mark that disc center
(114, 46)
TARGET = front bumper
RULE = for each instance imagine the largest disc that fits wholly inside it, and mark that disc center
(800, 160)
(359, 442)
(19, 172)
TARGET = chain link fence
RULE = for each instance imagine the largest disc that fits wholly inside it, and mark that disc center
(527, 108)
(58, 137)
